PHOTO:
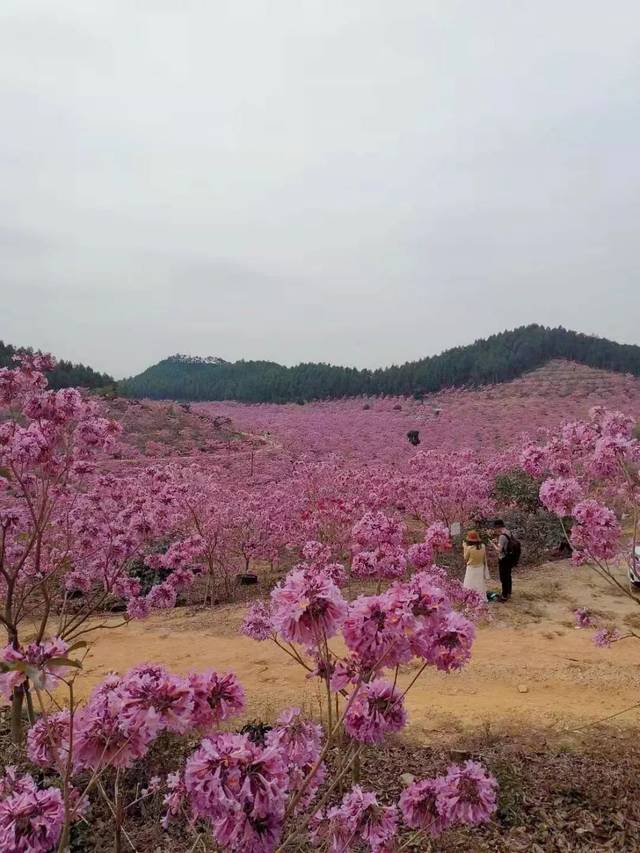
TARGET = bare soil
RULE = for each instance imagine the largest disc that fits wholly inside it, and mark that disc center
(530, 665)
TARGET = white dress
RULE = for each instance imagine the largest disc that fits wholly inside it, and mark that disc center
(477, 573)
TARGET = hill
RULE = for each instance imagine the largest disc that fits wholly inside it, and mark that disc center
(485, 419)
(499, 358)
(65, 374)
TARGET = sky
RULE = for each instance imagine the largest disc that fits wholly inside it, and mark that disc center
(363, 182)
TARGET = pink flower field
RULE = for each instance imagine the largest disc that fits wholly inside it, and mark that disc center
(484, 420)
(117, 513)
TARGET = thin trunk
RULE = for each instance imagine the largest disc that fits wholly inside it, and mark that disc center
(30, 712)
(327, 678)
(65, 837)
(17, 701)
(117, 805)
(355, 767)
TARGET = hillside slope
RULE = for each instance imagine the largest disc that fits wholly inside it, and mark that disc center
(484, 419)
(160, 429)
(498, 358)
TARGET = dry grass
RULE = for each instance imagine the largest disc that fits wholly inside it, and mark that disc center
(632, 620)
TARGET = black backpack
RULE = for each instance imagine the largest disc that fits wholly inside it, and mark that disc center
(513, 549)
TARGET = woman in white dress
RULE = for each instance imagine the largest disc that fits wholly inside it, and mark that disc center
(475, 558)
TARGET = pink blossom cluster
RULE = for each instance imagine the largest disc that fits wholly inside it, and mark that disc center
(306, 608)
(560, 495)
(591, 469)
(359, 818)
(595, 533)
(583, 617)
(48, 741)
(40, 663)
(19, 384)
(605, 637)
(597, 448)
(316, 554)
(124, 715)
(31, 818)
(412, 619)
(436, 538)
(378, 547)
(466, 794)
(377, 710)
(385, 561)
(376, 528)
(57, 428)
(300, 741)
(242, 788)
(257, 622)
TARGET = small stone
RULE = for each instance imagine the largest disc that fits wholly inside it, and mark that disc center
(522, 688)
(407, 779)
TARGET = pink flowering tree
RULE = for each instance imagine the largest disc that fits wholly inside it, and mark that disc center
(425, 620)
(224, 529)
(447, 487)
(263, 523)
(68, 532)
(327, 504)
(332, 496)
(48, 441)
(378, 547)
(206, 511)
(591, 481)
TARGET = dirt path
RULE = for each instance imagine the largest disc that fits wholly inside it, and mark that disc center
(529, 666)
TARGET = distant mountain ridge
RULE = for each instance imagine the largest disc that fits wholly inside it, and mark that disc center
(196, 359)
(65, 374)
(495, 359)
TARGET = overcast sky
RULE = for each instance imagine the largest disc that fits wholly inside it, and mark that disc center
(355, 181)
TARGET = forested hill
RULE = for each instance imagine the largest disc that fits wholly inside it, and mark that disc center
(496, 359)
(64, 375)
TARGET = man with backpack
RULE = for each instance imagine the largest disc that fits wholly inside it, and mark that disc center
(508, 548)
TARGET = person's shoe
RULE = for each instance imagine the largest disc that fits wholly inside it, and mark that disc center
(504, 598)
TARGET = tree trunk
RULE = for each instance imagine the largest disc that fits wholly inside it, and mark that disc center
(65, 838)
(17, 701)
(119, 816)
(355, 767)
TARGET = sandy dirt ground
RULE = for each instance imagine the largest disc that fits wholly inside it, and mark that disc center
(530, 665)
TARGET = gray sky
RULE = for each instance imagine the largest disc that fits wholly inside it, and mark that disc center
(356, 181)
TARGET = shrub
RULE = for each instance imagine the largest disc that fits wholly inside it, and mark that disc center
(518, 490)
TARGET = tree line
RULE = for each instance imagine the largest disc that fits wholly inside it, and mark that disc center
(498, 358)
(64, 375)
